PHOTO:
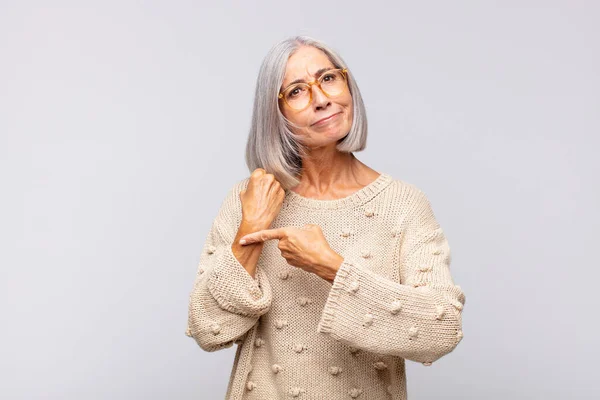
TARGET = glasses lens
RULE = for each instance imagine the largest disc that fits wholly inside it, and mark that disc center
(333, 83)
(297, 96)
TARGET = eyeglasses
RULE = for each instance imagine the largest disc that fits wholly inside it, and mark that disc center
(332, 83)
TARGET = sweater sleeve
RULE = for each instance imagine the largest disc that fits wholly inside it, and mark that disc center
(225, 302)
(418, 318)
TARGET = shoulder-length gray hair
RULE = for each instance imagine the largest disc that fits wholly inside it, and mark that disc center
(271, 144)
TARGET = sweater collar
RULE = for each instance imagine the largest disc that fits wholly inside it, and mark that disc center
(357, 198)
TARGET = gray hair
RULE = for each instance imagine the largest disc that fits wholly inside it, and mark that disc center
(271, 144)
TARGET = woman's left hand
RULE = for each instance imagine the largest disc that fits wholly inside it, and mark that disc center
(304, 247)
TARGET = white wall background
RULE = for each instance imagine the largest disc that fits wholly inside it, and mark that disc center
(123, 124)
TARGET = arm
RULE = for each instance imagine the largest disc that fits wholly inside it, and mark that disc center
(227, 298)
(419, 319)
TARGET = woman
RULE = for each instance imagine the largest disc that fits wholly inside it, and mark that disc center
(326, 273)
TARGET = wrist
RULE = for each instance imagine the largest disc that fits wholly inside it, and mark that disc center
(254, 225)
(247, 227)
(332, 263)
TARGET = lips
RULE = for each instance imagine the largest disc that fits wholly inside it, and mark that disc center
(326, 119)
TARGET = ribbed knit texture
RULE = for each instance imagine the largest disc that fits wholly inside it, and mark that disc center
(301, 337)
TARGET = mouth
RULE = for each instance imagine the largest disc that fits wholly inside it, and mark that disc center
(326, 119)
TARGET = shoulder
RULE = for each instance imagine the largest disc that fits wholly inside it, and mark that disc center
(413, 205)
(409, 203)
(407, 194)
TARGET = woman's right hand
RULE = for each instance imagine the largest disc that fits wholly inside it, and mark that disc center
(261, 200)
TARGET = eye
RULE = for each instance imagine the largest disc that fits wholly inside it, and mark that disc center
(295, 92)
(329, 77)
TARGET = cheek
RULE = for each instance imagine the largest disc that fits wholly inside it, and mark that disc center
(350, 111)
(301, 120)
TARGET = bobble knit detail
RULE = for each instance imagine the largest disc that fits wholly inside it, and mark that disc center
(335, 370)
(368, 320)
(296, 391)
(299, 348)
(380, 365)
(457, 304)
(396, 307)
(283, 275)
(303, 301)
(413, 332)
(354, 286)
(392, 299)
(439, 312)
(276, 368)
(280, 323)
(215, 328)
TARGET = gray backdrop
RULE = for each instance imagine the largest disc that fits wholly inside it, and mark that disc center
(123, 124)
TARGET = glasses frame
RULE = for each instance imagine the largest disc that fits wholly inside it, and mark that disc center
(317, 82)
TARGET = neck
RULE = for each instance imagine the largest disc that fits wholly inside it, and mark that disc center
(325, 168)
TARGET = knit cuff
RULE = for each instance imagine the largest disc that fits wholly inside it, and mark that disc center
(342, 283)
(372, 312)
(235, 290)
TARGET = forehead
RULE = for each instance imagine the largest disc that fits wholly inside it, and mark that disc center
(304, 63)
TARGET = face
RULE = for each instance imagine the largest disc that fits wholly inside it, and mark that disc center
(304, 64)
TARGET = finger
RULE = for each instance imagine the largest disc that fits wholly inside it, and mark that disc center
(263, 235)
(274, 189)
(309, 227)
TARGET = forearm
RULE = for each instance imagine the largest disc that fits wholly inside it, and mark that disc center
(247, 255)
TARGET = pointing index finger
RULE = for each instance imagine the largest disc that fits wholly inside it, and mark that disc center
(263, 235)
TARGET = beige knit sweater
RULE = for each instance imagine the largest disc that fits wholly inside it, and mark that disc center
(299, 336)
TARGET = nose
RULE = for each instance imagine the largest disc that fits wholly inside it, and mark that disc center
(320, 101)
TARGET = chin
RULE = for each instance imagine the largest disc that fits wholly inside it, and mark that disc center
(322, 140)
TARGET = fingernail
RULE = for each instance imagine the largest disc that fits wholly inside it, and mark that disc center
(243, 241)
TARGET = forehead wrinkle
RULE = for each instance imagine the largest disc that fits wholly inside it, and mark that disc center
(317, 73)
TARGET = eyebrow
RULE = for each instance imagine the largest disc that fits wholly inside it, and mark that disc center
(317, 75)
